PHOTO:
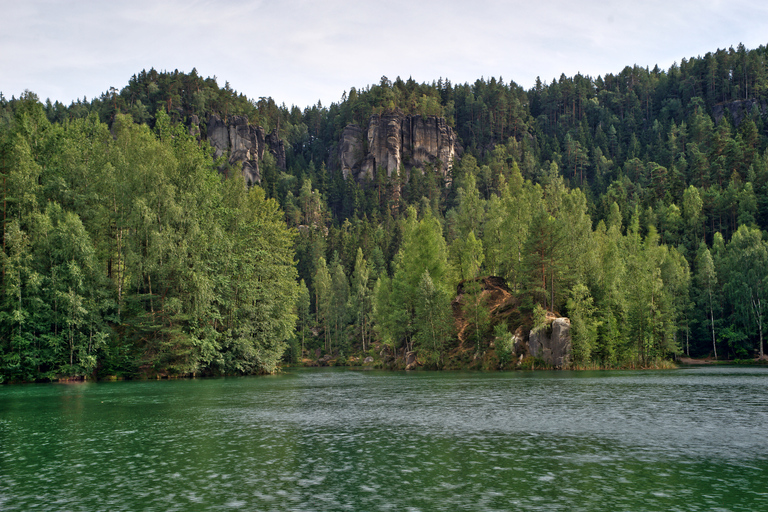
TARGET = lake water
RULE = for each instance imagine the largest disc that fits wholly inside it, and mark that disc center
(337, 439)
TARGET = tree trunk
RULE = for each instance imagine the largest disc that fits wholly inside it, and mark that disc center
(712, 318)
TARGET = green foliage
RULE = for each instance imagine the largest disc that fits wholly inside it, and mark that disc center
(423, 250)
(433, 322)
(503, 344)
(635, 203)
(142, 259)
(584, 324)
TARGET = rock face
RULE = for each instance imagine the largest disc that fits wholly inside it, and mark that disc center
(410, 361)
(739, 109)
(395, 139)
(552, 343)
(518, 343)
(245, 144)
(194, 126)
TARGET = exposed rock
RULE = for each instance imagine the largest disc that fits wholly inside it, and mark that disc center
(395, 139)
(194, 126)
(552, 343)
(218, 135)
(739, 109)
(245, 144)
(350, 149)
(277, 148)
(518, 342)
(502, 304)
(368, 360)
(410, 360)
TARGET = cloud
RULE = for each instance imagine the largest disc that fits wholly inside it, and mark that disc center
(300, 51)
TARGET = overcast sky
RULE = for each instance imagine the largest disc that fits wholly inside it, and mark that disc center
(299, 52)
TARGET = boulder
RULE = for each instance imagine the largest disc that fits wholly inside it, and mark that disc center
(410, 360)
(552, 343)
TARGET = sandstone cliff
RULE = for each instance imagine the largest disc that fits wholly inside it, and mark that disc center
(394, 139)
(244, 144)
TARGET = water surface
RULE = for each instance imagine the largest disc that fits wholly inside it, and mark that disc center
(335, 439)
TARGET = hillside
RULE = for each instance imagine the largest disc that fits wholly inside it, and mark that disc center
(635, 203)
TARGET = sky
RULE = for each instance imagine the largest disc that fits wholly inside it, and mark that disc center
(301, 52)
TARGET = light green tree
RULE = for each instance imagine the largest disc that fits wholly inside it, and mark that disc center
(747, 286)
(706, 278)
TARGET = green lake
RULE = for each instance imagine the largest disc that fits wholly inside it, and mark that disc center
(339, 439)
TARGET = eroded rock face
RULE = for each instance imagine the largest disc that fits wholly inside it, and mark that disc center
(218, 136)
(396, 139)
(739, 109)
(245, 144)
(552, 343)
(351, 149)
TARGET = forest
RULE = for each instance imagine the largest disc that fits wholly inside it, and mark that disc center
(636, 204)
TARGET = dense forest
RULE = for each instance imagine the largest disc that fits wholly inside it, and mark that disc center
(636, 204)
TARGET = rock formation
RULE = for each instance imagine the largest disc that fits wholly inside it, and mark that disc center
(395, 139)
(245, 144)
(552, 343)
(503, 305)
(739, 109)
(410, 361)
(194, 126)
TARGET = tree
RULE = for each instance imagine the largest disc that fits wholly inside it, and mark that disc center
(360, 296)
(466, 256)
(433, 321)
(581, 312)
(323, 300)
(303, 304)
(339, 300)
(706, 279)
(423, 249)
(475, 311)
(747, 286)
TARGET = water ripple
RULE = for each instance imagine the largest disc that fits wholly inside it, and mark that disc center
(684, 440)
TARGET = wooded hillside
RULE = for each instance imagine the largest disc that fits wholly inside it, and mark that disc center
(634, 203)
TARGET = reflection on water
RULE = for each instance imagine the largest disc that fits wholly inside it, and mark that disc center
(690, 439)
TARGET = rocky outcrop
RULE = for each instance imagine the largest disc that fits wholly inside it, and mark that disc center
(244, 144)
(410, 361)
(394, 140)
(552, 343)
(502, 304)
(739, 109)
(276, 147)
(351, 150)
(194, 126)
(519, 346)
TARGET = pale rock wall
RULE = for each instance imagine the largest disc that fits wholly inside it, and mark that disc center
(244, 143)
(552, 343)
(394, 140)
